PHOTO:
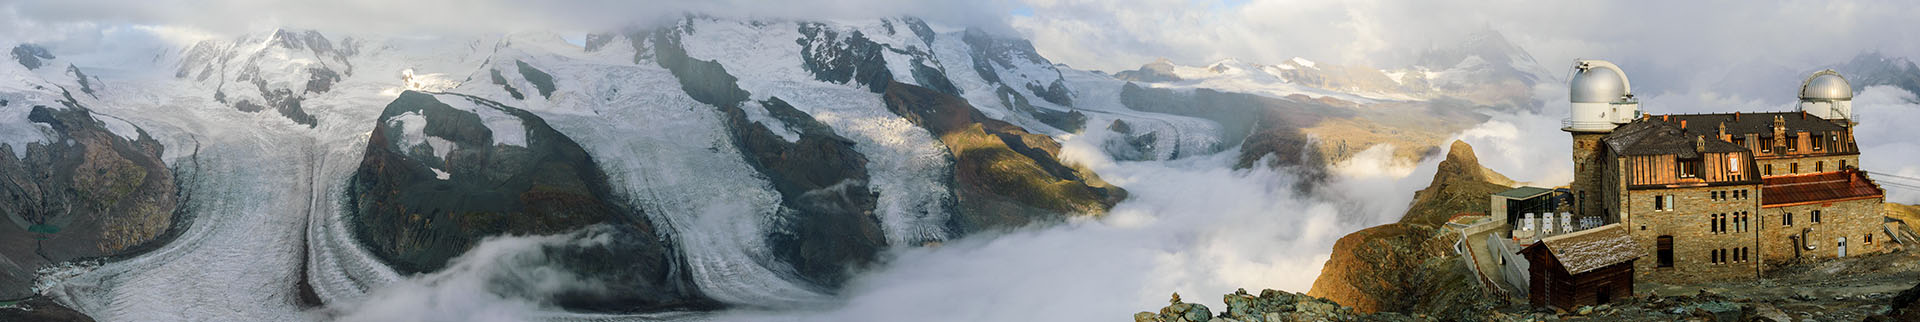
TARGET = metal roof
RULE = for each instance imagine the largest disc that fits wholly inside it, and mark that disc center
(1653, 136)
(1826, 85)
(1819, 187)
(1753, 123)
(1524, 192)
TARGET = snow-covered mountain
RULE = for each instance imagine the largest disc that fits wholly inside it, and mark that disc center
(1485, 69)
(699, 164)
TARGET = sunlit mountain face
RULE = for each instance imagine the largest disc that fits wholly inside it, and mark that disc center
(754, 161)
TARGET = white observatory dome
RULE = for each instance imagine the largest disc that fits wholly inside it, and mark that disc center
(1826, 85)
(1600, 84)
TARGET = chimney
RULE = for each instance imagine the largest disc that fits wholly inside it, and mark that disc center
(1723, 131)
(1736, 116)
(1683, 124)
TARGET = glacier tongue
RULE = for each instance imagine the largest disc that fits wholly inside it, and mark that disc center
(909, 168)
(672, 157)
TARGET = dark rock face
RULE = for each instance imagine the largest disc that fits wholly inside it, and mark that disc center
(90, 194)
(1070, 121)
(416, 218)
(502, 81)
(837, 58)
(991, 52)
(541, 80)
(1131, 146)
(827, 228)
(86, 83)
(41, 309)
(30, 55)
(1004, 177)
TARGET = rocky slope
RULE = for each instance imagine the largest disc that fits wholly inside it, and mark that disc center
(1460, 185)
(91, 186)
(1409, 266)
(442, 172)
(1005, 177)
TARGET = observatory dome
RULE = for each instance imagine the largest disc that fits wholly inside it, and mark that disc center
(1826, 85)
(1597, 85)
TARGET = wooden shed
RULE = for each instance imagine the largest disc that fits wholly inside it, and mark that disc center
(1588, 267)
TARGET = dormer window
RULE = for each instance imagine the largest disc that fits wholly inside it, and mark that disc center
(1689, 168)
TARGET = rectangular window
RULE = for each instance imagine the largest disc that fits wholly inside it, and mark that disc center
(1786, 219)
(1816, 216)
(1769, 170)
(1869, 238)
(1741, 141)
(1843, 164)
(1664, 250)
(1689, 168)
(1659, 203)
(1819, 166)
(1793, 168)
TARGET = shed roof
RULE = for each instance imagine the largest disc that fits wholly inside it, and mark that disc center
(1524, 192)
(1587, 250)
(1800, 189)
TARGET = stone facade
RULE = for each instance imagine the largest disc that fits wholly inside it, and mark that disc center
(1711, 220)
(1853, 220)
(1690, 223)
(1587, 189)
(1809, 164)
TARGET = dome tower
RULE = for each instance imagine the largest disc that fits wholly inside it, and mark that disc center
(1827, 95)
(1602, 98)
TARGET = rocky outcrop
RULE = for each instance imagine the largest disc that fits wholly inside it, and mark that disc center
(1903, 307)
(91, 193)
(441, 172)
(41, 309)
(30, 55)
(1409, 266)
(1004, 177)
(1460, 185)
(1013, 65)
(1269, 306)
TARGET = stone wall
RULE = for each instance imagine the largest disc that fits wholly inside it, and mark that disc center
(1808, 164)
(1689, 221)
(1852, 219)
(1588, 166)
